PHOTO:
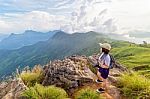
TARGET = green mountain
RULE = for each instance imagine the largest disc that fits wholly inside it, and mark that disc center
(133, 56)
(57, 47)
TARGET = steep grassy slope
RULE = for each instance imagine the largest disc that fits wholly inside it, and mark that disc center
(132, 56)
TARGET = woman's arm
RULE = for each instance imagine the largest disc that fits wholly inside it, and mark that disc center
(103, 65)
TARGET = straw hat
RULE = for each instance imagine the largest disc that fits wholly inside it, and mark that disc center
(105, 45)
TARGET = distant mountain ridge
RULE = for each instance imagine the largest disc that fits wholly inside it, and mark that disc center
(58, 46)
(2, 36)
(29, 37)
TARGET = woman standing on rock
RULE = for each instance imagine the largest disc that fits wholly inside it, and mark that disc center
(104, 63)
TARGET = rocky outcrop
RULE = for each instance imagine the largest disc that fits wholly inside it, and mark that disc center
(68, 73)
(12, 89)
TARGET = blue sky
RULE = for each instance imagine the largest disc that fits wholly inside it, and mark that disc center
(107, 16)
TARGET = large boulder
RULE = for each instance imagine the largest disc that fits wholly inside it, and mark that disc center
(68, 73)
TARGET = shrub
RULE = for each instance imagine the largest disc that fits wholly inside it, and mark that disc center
(92, 68)
(134, 86)
(87, 94)
(32, 77)
(45, 92)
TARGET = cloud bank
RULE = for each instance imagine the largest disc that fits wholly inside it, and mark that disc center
(106, 16)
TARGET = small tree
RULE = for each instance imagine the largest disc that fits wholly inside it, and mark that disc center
(144, 42)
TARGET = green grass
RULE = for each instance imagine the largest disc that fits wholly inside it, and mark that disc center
(134, 86)
(92, 68)
(132, 56)
(87, 94)
(47, 92)
(30, 78)
(146, 73)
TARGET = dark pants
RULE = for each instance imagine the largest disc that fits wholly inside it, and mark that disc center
(104, 72)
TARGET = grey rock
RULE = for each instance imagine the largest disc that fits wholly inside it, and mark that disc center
(68, 73)
(13, 89)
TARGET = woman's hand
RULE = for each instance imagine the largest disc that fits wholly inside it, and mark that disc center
(103, 66)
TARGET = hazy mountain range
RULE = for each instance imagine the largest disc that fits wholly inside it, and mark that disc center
(139, 34)
(2, 36)
(31, 47)
(29, 37)
(58, 46)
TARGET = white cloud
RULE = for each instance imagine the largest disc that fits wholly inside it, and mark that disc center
(131, 14)
(85, 15)
(35, 20)
(117, 16)
(5, 26)
(89, 15)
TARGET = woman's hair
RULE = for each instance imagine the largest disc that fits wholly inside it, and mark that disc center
(106, 51)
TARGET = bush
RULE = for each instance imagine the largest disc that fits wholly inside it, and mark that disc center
(32, 77)
(134, 86)
(47, 92)
(92, 68)
(87, 94)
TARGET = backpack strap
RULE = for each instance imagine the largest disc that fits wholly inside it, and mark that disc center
(112, 61)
